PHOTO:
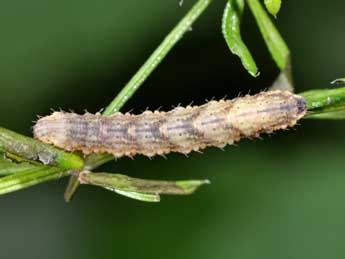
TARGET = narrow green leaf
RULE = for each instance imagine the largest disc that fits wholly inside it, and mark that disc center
(29, 177)
(273, 6)
(231, 24)
(8, 167)
(274, 41)
(137, 195)
(134, 187)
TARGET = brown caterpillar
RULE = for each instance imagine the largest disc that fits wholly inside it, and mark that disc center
(216, 123)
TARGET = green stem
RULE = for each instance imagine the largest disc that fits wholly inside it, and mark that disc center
(28, 148)
(157, 56)
(275, 43)
(325, 103)
(23, 153)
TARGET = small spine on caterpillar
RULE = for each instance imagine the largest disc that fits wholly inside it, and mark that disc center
(216, 123)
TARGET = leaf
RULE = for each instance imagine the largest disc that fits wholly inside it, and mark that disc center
(146, 190)
(8, 167)
(273, 6)
(138, 195)
(275, 43)
(29, 177)
(231, 24)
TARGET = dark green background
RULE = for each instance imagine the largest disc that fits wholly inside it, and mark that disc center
(281, 197)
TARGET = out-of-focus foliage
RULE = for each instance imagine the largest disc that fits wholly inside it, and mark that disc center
(274, 41)
(273, 6)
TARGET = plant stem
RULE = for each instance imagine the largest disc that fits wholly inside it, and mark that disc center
(28, 148)
(325, 103)
(275, 43)
(157, 56)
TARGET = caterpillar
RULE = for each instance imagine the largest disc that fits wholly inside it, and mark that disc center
(216, 123)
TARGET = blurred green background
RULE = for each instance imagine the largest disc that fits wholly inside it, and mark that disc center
(281, 197)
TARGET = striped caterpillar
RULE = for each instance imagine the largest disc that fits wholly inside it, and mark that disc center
(216, 123)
